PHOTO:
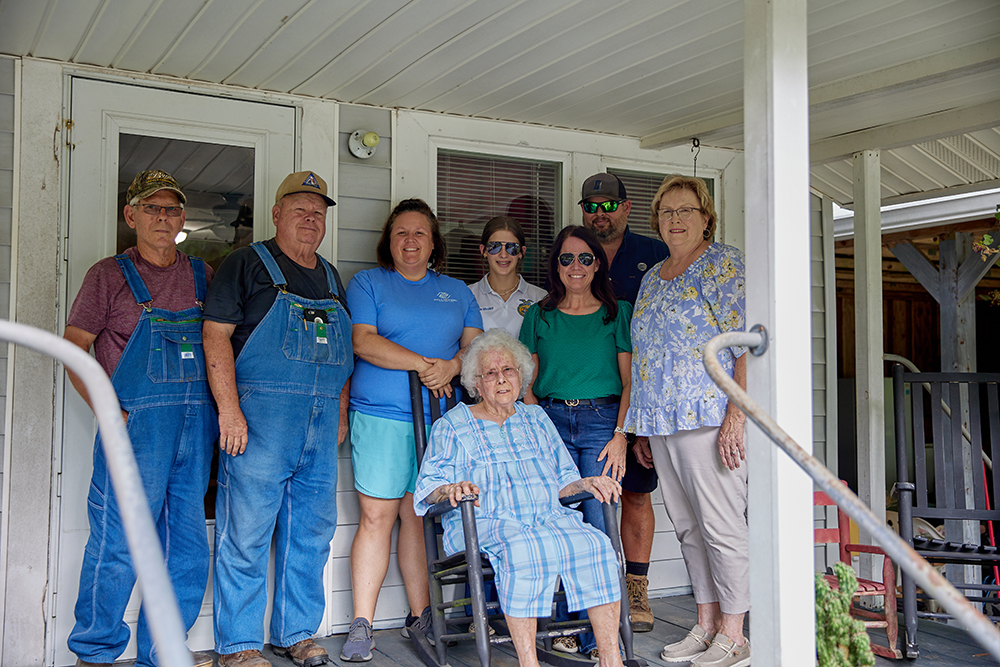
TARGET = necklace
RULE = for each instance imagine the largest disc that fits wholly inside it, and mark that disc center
(505, 293)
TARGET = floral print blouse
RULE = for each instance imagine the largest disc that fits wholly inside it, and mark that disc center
(672, 322)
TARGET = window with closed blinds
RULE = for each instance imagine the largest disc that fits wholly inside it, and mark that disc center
(641, 187)
(474, 187)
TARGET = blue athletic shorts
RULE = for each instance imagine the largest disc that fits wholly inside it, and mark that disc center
(383, 455)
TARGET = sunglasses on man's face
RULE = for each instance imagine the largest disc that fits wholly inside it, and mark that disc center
(513, 249)
(606, 206)
(586, 258)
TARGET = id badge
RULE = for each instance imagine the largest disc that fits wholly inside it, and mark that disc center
(187, 351)
(320, 333)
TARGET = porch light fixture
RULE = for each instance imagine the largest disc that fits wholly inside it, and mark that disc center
(363, 143)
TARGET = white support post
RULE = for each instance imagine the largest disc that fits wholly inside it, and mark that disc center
(869, 367)
(777, 251)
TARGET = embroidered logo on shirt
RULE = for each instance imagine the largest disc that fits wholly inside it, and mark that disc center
(444, 297)
(522, 307)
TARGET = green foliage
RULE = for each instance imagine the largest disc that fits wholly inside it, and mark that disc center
(841, 641)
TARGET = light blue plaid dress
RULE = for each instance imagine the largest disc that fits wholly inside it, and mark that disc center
(530, 538)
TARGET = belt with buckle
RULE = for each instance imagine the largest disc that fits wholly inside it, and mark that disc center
(574, 402)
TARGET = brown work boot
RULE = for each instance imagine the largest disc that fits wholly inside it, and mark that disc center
(250, 658)
(305, 653)
(201, 659)
(638, 602)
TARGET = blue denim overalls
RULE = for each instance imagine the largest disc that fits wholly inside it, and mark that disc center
(160, 381)
(289, 376)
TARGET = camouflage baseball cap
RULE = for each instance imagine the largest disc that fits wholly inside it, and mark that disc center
(151, 181)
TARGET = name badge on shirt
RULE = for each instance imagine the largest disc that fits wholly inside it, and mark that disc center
(187, 351)
(320, 332)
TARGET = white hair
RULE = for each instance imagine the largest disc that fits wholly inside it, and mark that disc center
(495, 340)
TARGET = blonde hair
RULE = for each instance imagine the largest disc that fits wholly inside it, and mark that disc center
(695, 185)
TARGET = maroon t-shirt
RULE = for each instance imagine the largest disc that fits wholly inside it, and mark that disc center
(106, 308)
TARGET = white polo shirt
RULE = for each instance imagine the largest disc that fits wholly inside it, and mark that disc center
(508, 314)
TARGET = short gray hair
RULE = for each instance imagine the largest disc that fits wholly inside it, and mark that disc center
(495, 340)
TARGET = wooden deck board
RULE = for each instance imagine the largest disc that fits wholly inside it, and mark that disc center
(940, 645)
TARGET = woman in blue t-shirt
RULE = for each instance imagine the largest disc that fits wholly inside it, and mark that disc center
(406, 316)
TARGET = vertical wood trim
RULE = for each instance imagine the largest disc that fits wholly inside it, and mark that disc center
(830, 291)
(869, 385)
(8, 411)
(778, 296)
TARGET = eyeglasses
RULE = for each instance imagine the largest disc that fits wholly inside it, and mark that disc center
(683, 213)
(606, 206)
(171, 211)
(586, 258)
(513, 249)
(492, 375)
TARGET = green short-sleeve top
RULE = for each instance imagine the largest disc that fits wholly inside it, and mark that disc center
(577, 354)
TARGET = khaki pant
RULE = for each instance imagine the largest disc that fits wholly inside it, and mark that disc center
(707, 504)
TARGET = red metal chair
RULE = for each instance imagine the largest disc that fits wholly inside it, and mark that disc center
(841, 535)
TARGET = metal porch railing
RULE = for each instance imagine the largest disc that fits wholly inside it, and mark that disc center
(158, 598)
(975, 623)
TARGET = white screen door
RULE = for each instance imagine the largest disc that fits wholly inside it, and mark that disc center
(228, 156)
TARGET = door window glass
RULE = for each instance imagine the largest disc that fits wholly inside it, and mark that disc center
(216, 179)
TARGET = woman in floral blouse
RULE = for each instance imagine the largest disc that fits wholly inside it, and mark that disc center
(695, 434)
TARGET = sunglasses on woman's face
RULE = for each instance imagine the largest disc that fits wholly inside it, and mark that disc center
(513, 249)
(586, 258)
(606, 206)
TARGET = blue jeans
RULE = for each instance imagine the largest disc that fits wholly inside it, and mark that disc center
(586, 430)
(284, 485)
(173, 449)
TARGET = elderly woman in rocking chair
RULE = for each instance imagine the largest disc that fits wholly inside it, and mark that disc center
(511, 456)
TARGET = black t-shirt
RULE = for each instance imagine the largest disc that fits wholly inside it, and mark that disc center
(242, 291)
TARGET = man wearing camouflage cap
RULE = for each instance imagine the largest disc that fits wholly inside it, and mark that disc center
(141, 311)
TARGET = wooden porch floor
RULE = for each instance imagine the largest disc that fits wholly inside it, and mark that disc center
(940, 644)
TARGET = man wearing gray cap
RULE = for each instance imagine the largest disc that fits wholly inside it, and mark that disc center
(141, 311)
(605, 207)
(279, 353)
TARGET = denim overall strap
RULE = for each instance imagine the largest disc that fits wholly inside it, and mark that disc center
(277, 277)
(331, 282)
(200, 283)
(134, 281)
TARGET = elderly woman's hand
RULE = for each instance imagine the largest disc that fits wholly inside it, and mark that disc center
(731, 438)
(614, 452)
(455, 493)
(604, 489)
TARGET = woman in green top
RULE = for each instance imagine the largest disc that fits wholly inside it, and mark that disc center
(580, 341)
(579, 337)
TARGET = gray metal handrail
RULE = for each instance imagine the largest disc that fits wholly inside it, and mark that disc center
(975, 623)
(159, 602)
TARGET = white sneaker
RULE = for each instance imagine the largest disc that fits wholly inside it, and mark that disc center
(724, 653)
(694, 644)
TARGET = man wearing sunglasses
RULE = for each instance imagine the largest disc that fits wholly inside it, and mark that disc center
(605, 207)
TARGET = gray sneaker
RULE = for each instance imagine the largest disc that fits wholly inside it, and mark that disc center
(693, 645)
(420, 623)
(360, 642)
(724, 653)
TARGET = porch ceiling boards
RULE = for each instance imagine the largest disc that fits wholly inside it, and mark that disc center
(919, 79)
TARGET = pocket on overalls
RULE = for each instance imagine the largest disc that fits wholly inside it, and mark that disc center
(314, 342)
(175, 355)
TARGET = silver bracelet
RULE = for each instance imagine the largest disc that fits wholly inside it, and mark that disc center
(619, 429)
